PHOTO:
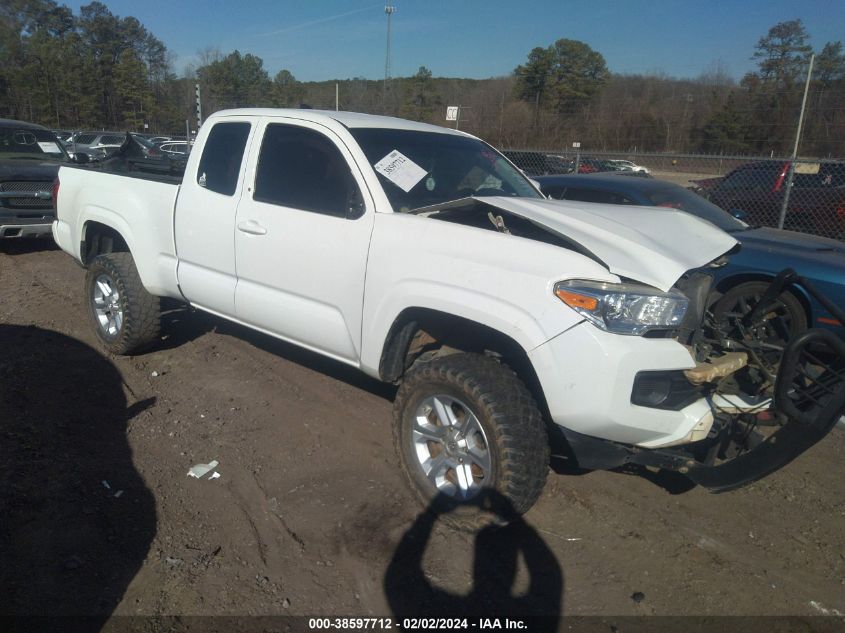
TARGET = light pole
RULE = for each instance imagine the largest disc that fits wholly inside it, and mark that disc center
(389, 10)
(791, 174)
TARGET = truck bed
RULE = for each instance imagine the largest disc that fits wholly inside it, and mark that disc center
(145, 169)
(136, 204)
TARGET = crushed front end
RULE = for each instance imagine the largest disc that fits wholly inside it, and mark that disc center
(772, 394)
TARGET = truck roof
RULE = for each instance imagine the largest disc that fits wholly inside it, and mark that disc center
(348, 119)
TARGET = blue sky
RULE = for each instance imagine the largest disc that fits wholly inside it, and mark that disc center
(339, 39)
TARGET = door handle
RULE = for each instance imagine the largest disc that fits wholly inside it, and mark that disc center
(252, 227)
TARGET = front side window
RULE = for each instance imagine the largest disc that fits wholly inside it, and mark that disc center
(809, 175)
(220, 164)
(303, 169)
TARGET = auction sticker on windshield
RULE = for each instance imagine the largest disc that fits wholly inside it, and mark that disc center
(400, 170)
(49, 148)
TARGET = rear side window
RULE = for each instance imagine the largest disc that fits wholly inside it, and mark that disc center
(303, 169)
(222, 155)
(819, 175)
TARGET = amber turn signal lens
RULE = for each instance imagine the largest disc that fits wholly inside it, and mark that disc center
(575, 300)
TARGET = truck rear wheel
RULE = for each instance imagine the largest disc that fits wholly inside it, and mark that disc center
(471, 439)
(126, 317)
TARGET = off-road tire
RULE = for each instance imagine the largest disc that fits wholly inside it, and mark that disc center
(141, 324)
(516, 437)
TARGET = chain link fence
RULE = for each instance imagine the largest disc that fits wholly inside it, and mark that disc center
(806, 195)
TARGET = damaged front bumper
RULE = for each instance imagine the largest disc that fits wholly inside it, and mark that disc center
(752, 434)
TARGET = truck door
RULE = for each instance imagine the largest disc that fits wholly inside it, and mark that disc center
(302, 235)
(205, 217)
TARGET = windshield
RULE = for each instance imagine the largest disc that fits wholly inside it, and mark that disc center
(18, 142)
(680, 198)
(419, 169)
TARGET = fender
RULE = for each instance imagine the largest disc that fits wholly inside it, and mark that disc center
(141, 211)
(473, 305)
(503, 282)
(110, 219)
(156, 271)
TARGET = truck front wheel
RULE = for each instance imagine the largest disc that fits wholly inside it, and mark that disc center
(471, 439)
(126, 317)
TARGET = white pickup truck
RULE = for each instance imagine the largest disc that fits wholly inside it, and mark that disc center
(423, 257)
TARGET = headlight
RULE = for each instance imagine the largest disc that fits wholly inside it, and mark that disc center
(623, 308)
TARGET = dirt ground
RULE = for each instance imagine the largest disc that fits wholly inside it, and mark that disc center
(310, 515)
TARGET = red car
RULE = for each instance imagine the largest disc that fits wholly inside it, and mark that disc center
(816, 201)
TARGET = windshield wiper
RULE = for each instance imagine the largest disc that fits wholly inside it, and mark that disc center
(442, 206)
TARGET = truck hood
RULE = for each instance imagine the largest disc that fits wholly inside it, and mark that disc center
(652, 245)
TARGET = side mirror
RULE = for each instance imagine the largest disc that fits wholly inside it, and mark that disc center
(739, 214)
(355, 209)
(81, 158)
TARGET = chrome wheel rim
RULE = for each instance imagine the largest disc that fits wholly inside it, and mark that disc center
(450, 447)
(107, 305)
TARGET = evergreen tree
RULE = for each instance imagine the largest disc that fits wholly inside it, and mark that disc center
(727, 131)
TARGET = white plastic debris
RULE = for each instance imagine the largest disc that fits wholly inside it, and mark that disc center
(818, 607)
(105, 484)
(118, 494)
(154, 374)
(215, 475)
(201, 470)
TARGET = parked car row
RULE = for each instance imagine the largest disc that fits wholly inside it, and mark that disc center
(540, 164)
(97, 145)
(30, 156)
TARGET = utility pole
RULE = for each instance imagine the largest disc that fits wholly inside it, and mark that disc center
(389, 10)
(803, 107)
(791, 176)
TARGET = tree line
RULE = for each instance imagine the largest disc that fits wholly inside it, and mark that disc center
(98, 70)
